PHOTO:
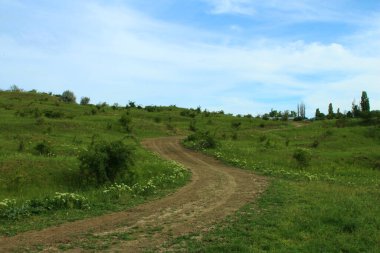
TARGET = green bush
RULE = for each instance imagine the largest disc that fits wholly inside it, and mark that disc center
(43, 148)
(126, 122)
(106, 162)
(315, 144)
(302, 156)
(192, 126)
(201, 140)
(53, 114)
(236, 124)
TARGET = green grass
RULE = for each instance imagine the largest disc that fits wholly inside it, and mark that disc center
(330, 204)
(298, 217)
(25, 175)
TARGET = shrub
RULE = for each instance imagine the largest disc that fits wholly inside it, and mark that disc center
(302, 156)
(201, 140)
(376, 165)
(53, 114)
(21, 145)
(263, 138)
(236, 124)
(315, 144)
(43, 148)
(40, 121)
(192, 126)
(106, 162)
(84, 100)
(157, 119)
(171, 127)
(68, 97)
(126, 122)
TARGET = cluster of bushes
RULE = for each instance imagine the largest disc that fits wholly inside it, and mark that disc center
(200, 140)
(188, 113)
(37, 113)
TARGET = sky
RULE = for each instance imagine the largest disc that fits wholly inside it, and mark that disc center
(240, 56)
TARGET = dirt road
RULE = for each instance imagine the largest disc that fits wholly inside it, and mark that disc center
(215, 191)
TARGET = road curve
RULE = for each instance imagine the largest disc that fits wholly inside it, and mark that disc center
(215, 191)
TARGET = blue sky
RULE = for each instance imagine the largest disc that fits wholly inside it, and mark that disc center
(240, 56)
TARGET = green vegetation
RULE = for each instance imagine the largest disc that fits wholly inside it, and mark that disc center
(106, 162)
(324, 195)
(60, 161)
(325, 175)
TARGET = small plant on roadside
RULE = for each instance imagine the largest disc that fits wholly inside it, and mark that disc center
(115, 191)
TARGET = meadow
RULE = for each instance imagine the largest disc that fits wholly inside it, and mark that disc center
(324, 191)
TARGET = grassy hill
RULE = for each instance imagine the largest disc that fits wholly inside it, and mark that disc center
(325, 175)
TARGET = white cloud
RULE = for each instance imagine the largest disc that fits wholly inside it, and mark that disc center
(118, 54)
(242, 7)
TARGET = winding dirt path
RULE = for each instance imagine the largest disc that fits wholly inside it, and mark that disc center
(215, 191)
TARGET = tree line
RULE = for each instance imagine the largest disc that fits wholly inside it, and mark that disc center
(362, 110)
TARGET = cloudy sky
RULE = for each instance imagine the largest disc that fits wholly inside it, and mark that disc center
(240, 56)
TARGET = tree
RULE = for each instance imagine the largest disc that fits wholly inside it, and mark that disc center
(302, 109)
(355, 109)
(68, 97)
(293, 114)
(131, 104)
(364, 103)
(330, 114)
(339, 114)
(14, 88)
(84, 100)
(319, 115)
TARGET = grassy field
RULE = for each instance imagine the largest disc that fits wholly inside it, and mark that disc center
(325, 176)
(29, 119)
(328, 203)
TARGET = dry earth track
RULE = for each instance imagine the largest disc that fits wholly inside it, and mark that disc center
(215, 191)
